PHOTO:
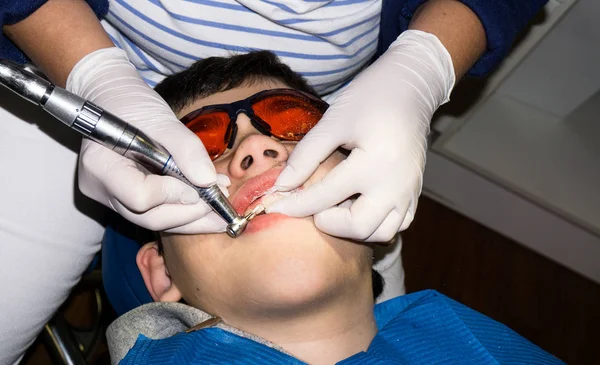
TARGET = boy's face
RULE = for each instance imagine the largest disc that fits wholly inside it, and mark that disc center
(280, 262)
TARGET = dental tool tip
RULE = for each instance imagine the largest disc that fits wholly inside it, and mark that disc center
(259, 209)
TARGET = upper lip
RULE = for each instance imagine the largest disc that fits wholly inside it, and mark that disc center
(254, 188)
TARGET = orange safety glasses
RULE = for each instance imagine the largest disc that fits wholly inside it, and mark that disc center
(286, 114)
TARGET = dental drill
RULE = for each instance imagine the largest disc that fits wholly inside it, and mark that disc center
(112, 132)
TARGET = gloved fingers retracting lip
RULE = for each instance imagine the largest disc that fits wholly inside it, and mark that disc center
(384, 113)
(318, 144)
(332, 190)
(360, 220)
(386, 232)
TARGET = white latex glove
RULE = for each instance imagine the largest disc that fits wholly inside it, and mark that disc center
(107, 78)
(383, 117)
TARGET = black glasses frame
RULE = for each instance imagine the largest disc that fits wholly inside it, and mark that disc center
(245, 106)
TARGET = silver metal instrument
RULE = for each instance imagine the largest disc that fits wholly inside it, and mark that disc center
(112, 132)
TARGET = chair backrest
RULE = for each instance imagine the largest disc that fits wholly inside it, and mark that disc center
(123, 281)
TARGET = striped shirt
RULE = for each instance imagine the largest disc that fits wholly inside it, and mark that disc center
(326, 41)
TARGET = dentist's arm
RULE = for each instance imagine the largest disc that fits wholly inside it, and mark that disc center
(383, 118)
(66, 40)
(458, 29)
(58, 35)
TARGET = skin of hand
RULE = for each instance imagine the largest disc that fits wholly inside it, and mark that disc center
(383, 118)
(78, 49)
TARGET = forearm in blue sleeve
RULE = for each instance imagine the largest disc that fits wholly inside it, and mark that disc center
(13, 11)
(502, 21)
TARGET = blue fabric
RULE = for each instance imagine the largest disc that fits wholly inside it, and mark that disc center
(420, 328)
(502, 21)
(13, 11)
(122, 280)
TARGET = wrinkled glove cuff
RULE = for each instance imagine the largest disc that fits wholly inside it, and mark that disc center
(429, 49)
(87, 66)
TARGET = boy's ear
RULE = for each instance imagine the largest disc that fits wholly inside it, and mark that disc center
(156, 277)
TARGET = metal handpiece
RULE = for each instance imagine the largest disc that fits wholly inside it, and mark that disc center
(112, 132)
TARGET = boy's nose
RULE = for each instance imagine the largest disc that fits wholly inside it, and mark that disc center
(256, 154)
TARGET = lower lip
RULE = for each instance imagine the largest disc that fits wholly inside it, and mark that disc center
(264, 221)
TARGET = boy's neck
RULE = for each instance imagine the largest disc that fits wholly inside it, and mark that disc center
(325, 334)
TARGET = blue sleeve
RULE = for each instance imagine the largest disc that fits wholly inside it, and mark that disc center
(13, 11)
(502, 21)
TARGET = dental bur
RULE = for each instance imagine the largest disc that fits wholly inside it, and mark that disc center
(258, 210)
(112, 132)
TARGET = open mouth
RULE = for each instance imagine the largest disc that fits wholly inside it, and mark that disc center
(257, 190)
(252, 192)
(255, 193)
(258, 200)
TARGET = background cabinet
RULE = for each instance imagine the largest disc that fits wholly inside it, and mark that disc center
(519, 152)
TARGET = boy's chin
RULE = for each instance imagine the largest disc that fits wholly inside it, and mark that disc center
(292, 286)
(292, 272)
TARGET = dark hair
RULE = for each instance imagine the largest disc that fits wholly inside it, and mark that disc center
(376, 278)
(216, 74)
(378, 283)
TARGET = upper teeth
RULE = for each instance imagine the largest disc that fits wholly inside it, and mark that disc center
(273, 191)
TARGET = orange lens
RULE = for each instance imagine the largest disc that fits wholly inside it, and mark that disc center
(290, 117)
(211, 128)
